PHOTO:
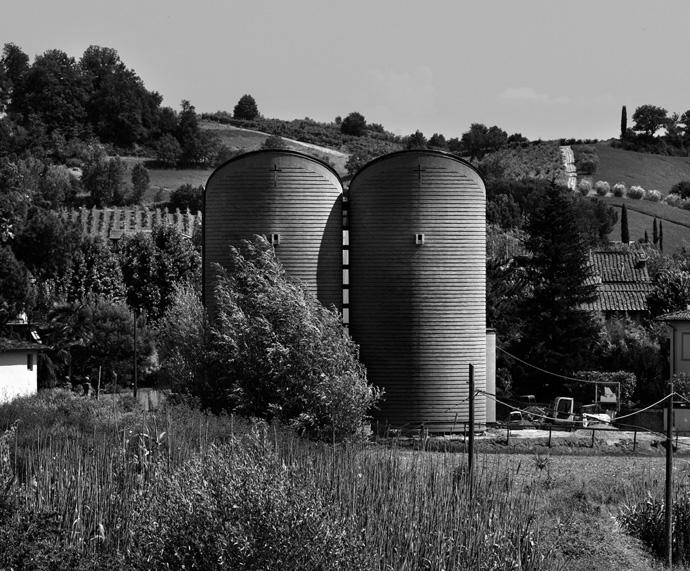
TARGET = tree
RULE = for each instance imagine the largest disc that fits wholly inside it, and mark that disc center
(104, 179)
(624, 122)
(140, 182)
(437, 141)
(681, 188)
(655, 232)
(45, 244)
(625, 232)
(168, 150)
(274, 142)
(416, 140)
(120, 108)
(354, 124)
(557, 333)
(182, 340)
(280, 354)
(15, 289)
(661, 236)
(153, 265)
(474, 140)
(95, 273)
(15, 64)
(670, 291)
(187, 197)
(197, 146)
(246, 108)
(649, 119)
(55, 91)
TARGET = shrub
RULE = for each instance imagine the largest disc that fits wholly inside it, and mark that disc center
(602, 187)
(653, 195)
(281, 354)
(619, 189)
(681, 189)
(673, 200)
(584, 186)
(636, 192)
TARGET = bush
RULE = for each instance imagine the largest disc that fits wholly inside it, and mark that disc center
(619, 189)
(636, 192)
(681, 189)
(281, 354)
(602, 187)
(653, 196)
(354, 124)
(673, 200)
(584, 186)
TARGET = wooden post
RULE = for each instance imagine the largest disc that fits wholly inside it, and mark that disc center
(634, 440)
(592, 445)
(470, 448)
(98, 385)
(669, 478)
(549, 436)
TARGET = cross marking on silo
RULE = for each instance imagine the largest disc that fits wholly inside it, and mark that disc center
(420, 170)
(275, 170)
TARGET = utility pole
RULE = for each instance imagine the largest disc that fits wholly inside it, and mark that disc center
(669, 478)
(470, 443)
(136, 378)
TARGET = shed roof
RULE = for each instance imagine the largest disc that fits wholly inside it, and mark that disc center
(14, 345)
(683, 315)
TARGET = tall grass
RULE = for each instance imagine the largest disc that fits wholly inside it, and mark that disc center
(183, 488)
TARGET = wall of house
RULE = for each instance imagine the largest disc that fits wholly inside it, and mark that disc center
(16, 379)
(681, 350)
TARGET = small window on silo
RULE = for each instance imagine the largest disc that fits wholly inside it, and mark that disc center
(30, 361)
(275, 239)
(419, 239)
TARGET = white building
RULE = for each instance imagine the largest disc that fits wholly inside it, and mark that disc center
(18, 369)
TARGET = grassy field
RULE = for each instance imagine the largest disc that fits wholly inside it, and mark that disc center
(98, 485)
(641, 214)
(648, 171)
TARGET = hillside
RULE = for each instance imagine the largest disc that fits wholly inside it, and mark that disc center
(238, 138)
(648, 171)
(641, 214)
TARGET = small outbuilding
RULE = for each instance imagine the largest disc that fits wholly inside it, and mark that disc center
(18, 368)
(679, 325)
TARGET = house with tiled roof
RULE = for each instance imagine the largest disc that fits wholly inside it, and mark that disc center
(622, 281)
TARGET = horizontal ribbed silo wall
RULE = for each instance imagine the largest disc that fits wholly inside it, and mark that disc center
(418, 312)
(277, 192)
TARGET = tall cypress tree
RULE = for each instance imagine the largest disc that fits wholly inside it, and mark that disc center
(624, 122)
(655, 233)
(625, 233)
(557, 334)
(661, 236)
(646, 237)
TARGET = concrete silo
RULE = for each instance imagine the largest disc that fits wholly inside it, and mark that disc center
(417, 285)
(294, 200)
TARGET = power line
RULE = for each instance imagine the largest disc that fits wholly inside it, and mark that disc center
(550, 372)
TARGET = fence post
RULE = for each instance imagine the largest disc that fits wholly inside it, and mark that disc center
(470, 449)
(593, 433)
(549, 436)
(634, 440)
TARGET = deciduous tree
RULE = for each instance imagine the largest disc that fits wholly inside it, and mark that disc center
(648, 119)
(246, 108)
(354, 124)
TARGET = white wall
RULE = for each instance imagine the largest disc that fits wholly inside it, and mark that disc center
(15, 378)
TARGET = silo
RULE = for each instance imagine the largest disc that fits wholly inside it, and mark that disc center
(417, 285)
(294, 200)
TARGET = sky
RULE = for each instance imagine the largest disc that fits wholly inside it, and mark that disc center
(544, 68)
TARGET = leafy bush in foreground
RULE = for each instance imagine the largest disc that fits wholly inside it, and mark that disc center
(278, 353)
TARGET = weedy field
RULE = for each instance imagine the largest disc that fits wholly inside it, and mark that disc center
(99, 485)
